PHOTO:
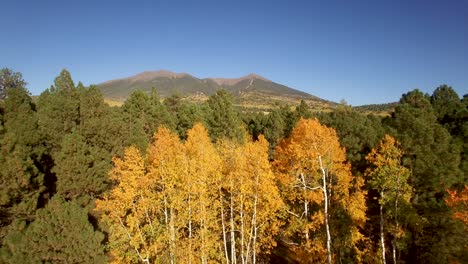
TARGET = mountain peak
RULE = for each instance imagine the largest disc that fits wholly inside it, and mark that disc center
(233, 81)
(148, 76)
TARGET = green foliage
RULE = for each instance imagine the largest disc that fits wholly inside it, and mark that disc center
(8, 80)
(55, 155)
(222, 119)
(184, 115)
(58, 111)
(445, 102)
(61, 233)
(452, 113)
(21, 178)
(358, 133)
(102, 126)
(81, 170)
(148, 110)
(434, 163)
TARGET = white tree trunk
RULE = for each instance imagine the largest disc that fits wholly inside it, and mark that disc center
(190, 228)
(326, 201)
(233, 234)
(382, 239)
(306, 204)
(226, 255)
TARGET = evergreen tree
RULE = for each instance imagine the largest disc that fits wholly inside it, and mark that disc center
(58, 111)
(61, 233)
(8, 80)
(452, 113)
(223, 120)
(434, 164)
(446, 103)
(358, 134)
(81, 170)
(21, 176)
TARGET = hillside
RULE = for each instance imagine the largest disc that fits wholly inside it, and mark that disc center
(250, 91)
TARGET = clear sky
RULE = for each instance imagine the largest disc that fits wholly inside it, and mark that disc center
(361, 51)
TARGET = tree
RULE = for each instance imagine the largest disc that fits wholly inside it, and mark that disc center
(147, 111)
(388, 176)
(433, 160)
(60, 233)
(202, 195)
(58, 111)
(250, 203)
(303, 110)
(21, 173)
(80, 170)
(119, 211)
(358, 133)
(223, 120)
(8, 80)
(142, 210)
(312, 160)
(446, 103)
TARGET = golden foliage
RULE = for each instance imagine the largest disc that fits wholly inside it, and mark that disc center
(310, 161)
(459, 202)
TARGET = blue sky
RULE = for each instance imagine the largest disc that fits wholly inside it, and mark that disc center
(361, 51)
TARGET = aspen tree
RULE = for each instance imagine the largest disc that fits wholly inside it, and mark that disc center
(203, 197)
(314, 174)
(389, 177)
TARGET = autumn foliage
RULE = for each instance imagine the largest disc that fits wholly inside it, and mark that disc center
(318, 188)
(192, 201)
(459, 202)
(166, 180)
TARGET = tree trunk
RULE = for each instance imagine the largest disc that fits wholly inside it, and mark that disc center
(382, 239)
(226, 255)
(395, 233)
(325, 196)
(233, 234)
(190, 228)
(306, 205)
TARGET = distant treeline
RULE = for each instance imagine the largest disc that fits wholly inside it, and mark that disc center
(167, 181)
(388, 107)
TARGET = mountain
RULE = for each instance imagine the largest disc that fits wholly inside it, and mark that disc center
(250, 91)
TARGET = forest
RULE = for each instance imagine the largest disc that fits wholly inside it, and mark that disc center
(170, 181)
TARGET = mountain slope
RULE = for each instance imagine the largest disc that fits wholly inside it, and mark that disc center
(249, 91)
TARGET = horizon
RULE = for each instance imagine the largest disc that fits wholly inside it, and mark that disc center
(363, 52)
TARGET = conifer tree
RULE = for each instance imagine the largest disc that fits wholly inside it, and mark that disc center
(80, 170)
(434, 164)
(10, 80)
(21, 176)
(60, 233)
(223, 120)
(58, 111)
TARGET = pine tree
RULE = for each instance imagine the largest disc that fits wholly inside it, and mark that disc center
(80, 170)
(10, 80)
(434, 164)
(21, 176)
(60, 233)
(58, 111)
(223, 120)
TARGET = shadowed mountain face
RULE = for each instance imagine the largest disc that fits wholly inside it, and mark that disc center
(251, 91)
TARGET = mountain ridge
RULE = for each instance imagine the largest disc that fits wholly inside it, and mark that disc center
(251, 89)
